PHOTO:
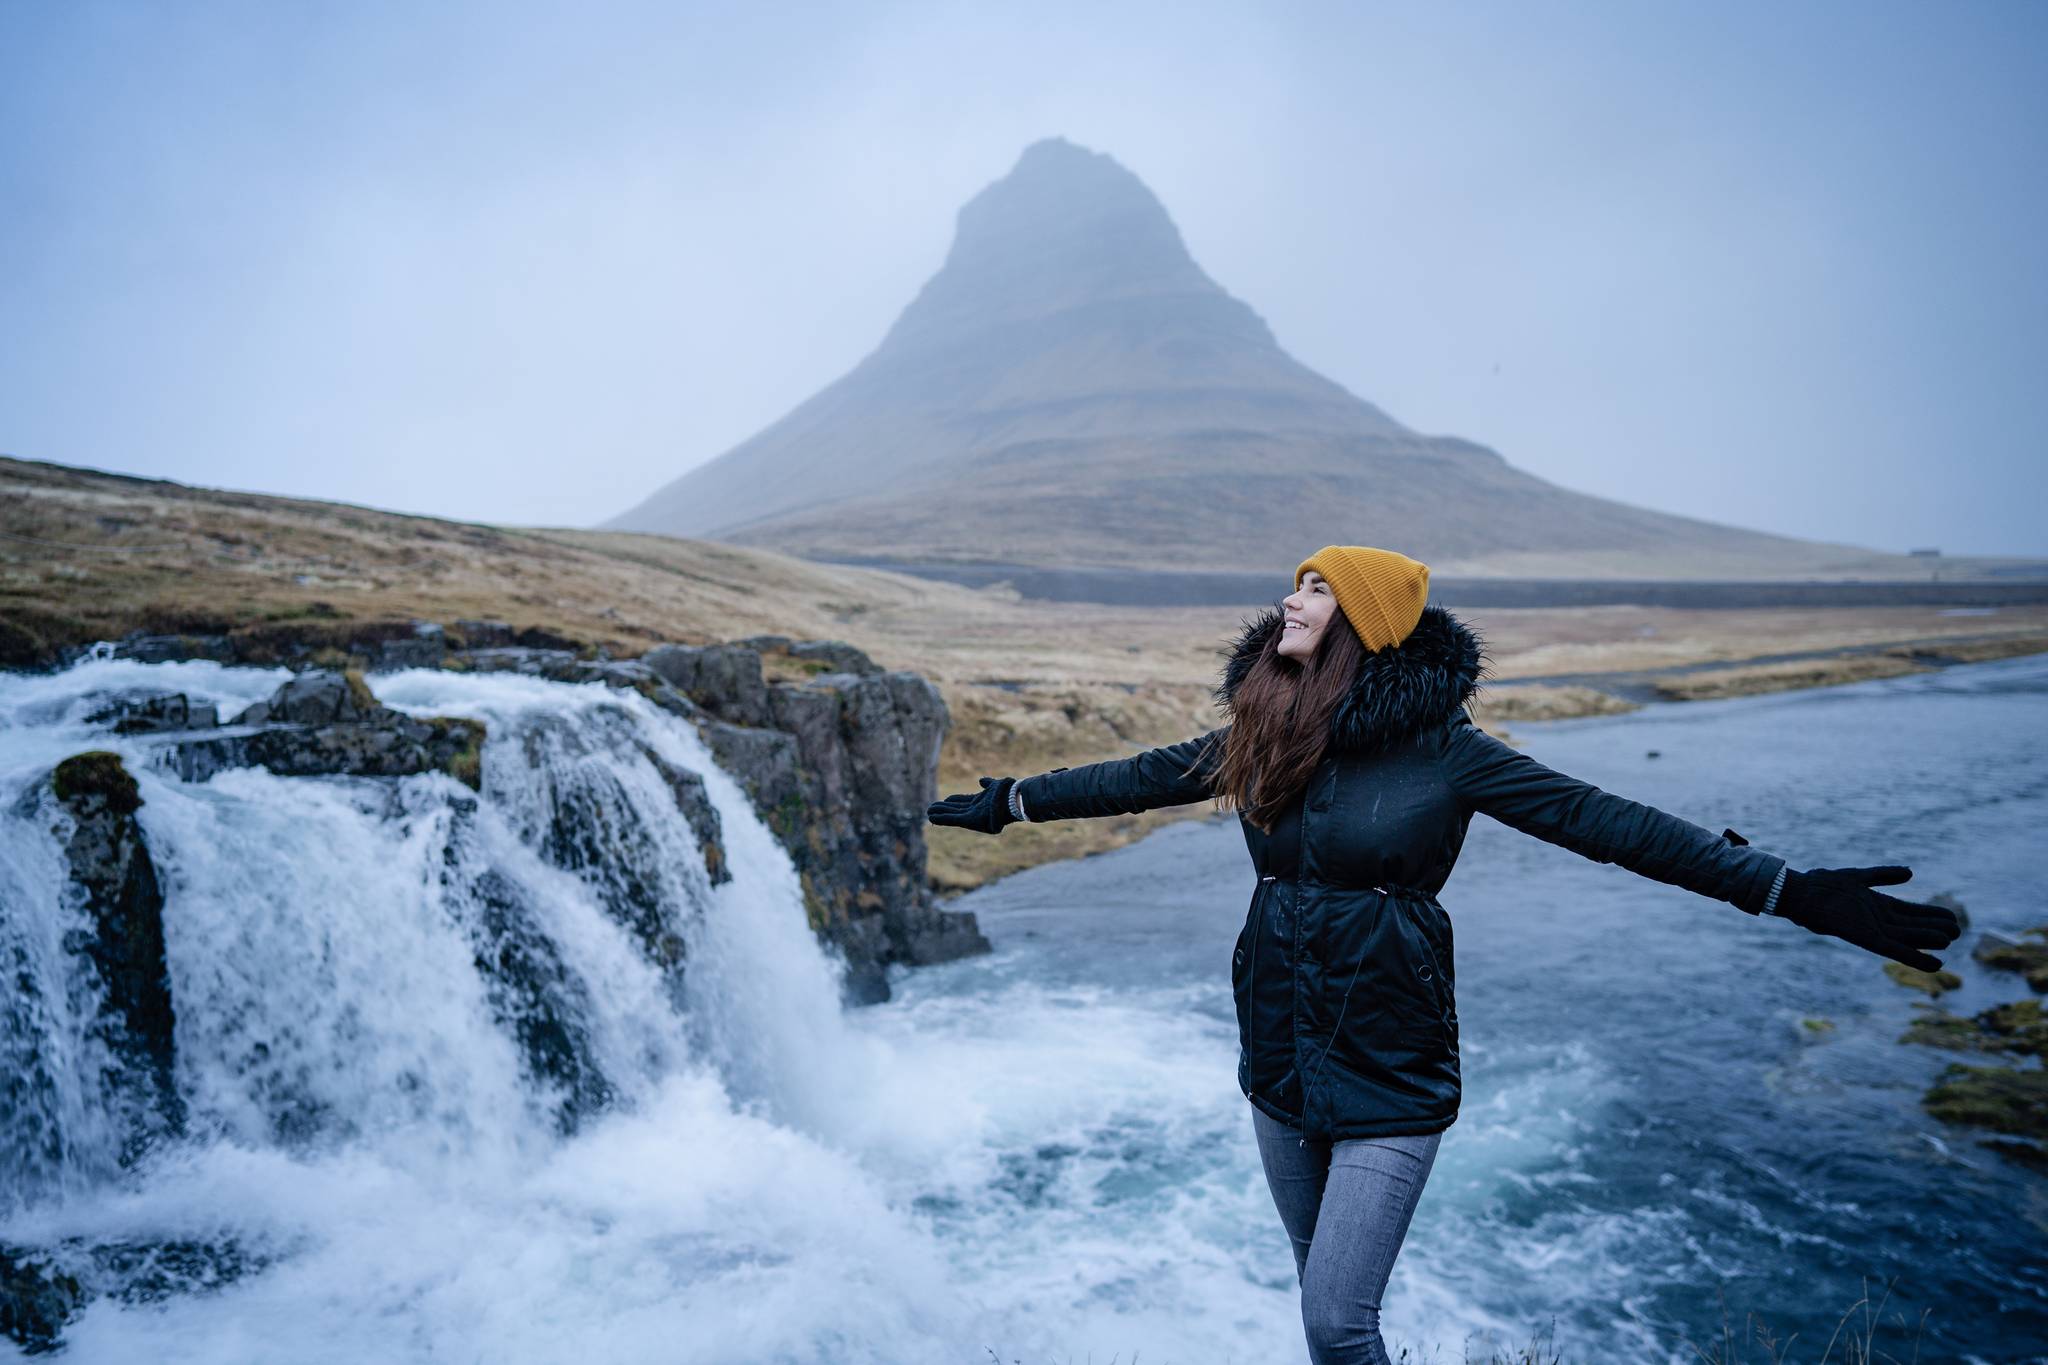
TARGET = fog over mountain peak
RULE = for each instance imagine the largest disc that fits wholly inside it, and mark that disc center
(1071, 389)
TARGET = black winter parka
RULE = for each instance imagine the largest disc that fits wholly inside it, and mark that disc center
(1343, 972)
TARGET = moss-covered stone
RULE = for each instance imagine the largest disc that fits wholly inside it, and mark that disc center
(2017, 1028)
(1818, 1027)
(2019, 1025)
(2004, 1099)
(2028, 958)
(1934, 983)
(359, 692)
(466, 764)
(97, 773)
(1938, 1028)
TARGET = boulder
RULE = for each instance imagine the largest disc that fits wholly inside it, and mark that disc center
(163, 649)
(695, 804)
(840, 766)
(531, 992)
(115, 882)
(36, 1299)
(156, 714)
(725, 680)
(322, 723)
(1934, 983)
(41, 1290)
(484, 634)
(427, 648)
(825, 656)
(836, 655)
(316, 697)
(2028, 956)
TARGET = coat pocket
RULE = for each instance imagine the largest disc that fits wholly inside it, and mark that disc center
(1241, 976)
(1428, 934)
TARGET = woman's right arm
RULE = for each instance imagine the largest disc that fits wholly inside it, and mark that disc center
(1173, 775)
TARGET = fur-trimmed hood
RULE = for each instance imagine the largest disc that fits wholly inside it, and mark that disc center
(1399, 691)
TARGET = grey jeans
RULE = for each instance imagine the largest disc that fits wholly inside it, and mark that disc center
(1346, 1207)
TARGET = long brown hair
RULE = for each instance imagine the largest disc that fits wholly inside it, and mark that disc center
(1280, 721)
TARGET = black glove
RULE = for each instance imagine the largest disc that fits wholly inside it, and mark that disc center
(1839, 901)
(987, 810)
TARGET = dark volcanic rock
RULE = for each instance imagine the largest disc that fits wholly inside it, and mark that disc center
(163, 649)
(830, 656)
(840, 766)
(329, 724)
(529, 989)
(725, 680)
(36, 1299)
(116, 884)
(153, 715)
(868, 747)
(484, 634)
(42, 1290)
(315, 698)
(695, 804)
(426, 649)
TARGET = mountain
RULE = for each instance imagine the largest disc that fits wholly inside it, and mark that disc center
(1072, 391)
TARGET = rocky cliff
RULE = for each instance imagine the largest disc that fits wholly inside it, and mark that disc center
(838, 756)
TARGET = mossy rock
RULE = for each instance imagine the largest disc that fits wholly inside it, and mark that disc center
(1938, 1028)
(1817, 1028)
(2020, 1025)
(2002, 1098)
(359, 692)
(2030, 960)
(97, 773)
(1934, 983)
(466, 764)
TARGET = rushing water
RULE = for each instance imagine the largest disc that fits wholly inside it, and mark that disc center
(1037, 1155)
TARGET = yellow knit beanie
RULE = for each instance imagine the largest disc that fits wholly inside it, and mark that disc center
(1380, 592)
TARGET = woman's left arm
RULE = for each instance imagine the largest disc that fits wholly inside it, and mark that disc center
(1518, 791)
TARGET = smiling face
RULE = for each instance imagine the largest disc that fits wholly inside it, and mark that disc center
(1308, 610)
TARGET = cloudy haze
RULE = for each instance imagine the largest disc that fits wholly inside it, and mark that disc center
(1772, 265)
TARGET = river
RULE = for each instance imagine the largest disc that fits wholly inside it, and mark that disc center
(1040, 1155)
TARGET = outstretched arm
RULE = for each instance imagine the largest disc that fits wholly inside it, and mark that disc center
(1172, 775)
(1517, 790)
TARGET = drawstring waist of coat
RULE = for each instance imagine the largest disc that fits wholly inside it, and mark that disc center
(1383, 888)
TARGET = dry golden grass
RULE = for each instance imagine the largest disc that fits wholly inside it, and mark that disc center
(1495, 707)
(1031, 685)
(1781, 677)
(1830, 672)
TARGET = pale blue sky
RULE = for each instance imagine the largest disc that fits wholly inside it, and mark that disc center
(1771, 264)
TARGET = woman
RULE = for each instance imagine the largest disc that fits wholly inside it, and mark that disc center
(1355, 770)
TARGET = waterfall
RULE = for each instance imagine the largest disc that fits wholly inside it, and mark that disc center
(409, 986)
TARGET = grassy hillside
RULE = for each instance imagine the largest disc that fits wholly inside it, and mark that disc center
(86, 556)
